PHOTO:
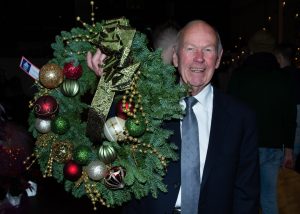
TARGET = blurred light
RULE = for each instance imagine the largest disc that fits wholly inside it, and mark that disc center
(283, 4)
(269, 18)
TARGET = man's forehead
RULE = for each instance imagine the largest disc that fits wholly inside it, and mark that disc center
(200, 41)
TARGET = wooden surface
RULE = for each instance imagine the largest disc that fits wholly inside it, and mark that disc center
(289, 192)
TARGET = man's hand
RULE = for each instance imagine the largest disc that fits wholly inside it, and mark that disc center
(95, 62)
(288, 160)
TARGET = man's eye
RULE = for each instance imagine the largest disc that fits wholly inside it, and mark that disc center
(190, 49)
(210, 50)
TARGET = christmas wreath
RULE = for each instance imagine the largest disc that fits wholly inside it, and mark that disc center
(128, 106)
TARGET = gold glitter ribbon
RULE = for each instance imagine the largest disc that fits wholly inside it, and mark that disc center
(115, 40)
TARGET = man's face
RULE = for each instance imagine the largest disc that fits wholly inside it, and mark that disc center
(197, 55)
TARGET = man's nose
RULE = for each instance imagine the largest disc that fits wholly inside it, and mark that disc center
(199, 56)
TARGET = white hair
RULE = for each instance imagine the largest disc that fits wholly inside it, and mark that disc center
(165, 38)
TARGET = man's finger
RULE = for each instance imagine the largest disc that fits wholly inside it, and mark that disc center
(89, 60)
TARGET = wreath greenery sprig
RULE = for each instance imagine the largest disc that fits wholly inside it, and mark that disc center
(117, 169)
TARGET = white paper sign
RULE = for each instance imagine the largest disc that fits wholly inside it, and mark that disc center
(29, 68)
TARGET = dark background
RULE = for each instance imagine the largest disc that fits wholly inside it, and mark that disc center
(28, 27)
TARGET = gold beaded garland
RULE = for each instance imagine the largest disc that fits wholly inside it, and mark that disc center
(130, 149)
(91, 190)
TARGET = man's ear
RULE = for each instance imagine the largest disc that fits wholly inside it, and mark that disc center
(175, 58)
(219, 60)
(280, 59)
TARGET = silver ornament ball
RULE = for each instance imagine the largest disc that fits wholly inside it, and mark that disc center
(107, 154)
(43, 126)
(96, 170)
(114, 129)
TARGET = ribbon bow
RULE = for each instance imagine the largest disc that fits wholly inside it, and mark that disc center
(115, 40)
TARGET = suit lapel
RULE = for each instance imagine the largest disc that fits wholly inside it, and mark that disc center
(220, 119)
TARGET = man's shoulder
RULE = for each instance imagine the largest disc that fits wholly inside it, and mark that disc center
(230, 103)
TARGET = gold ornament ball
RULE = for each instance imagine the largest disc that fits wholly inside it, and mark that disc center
(114, 129)
(62, 151)
(96, 170)
(51, 76)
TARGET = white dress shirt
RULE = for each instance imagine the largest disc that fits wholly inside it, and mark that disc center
(203, 112)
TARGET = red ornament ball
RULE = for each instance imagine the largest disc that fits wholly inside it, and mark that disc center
(120, 109)
(72, 170)
(45, 107)
(71, 71)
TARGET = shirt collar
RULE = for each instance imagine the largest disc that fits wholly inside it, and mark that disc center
(205, 96)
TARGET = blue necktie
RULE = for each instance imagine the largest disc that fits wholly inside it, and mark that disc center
(190, 160)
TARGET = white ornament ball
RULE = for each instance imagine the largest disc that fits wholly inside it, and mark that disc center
(43, 126)
(96, 170)
(114, 129)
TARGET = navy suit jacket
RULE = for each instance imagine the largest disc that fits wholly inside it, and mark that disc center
(230, 181)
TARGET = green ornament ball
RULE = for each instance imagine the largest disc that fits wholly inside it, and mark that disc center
(135, 127)
(60, 125)
(69, 87)
(82, 154)
(107, 154)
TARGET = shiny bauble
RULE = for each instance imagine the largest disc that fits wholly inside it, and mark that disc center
(115, 177)
(72, 171)
(135, 127)
(82, 154)
(96, 170)
(114, 129)
(45, 107)
(62, 151)
(72, 72)
(107, 154)
(42, 126)
(51, 76)
(60, 125)
(69, 87)
(122, 107)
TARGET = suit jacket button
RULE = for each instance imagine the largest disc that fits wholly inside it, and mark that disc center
(176, 185)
